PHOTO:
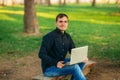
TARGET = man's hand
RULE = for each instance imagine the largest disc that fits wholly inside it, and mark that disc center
(85, 60)
(60, 64)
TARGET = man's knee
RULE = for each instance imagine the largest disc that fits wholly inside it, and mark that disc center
(76, 67)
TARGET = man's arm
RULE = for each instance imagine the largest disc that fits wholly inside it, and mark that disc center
(44, 51)
(72, 45)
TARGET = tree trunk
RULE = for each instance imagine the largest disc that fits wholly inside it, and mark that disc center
(13, 2)
(108, 1)
(60, 2)
(49, 2)
(77, 1)
(64, 2)
(117, 1)
(1, 3)
(94, 3)
(40, 2)
(30, 18)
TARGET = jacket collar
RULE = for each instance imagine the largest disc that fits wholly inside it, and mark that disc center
(59, 31)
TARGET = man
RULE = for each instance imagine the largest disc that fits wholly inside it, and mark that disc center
(55, 46)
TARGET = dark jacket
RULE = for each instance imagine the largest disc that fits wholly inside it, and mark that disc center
(55, 46)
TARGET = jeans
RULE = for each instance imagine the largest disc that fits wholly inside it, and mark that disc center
(75, 70)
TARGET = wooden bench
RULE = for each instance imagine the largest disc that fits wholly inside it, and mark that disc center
(86, 70)
(88, 67)
(42, 77)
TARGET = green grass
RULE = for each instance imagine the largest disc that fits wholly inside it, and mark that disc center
(98, 27)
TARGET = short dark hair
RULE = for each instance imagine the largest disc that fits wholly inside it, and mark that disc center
(60, 15)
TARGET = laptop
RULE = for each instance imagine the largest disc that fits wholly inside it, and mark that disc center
(78, 54)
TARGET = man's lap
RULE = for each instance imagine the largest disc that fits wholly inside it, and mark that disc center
(66, 70)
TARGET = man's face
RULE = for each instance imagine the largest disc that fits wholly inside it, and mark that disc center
(62, 23)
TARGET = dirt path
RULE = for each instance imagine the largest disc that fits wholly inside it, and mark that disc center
(104, 70)
(26, 67)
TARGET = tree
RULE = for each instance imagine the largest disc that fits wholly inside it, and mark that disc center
(60, 2)
(2, 2)
(108, 1)
(64, 2)
(77, 1)
(40, 2)
(30, 19)
(94, 3)
(49, 2)
(13, 2)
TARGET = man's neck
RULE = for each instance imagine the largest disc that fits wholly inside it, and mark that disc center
(63, 32)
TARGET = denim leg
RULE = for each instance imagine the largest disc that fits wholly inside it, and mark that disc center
(78, 75)
(66, 70)
(82, 65)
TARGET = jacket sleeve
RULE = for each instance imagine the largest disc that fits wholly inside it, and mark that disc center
(72, 45)
(44, 51)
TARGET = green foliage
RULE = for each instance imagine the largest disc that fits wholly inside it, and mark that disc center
(98, 27)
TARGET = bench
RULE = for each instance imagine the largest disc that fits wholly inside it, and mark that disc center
(42, 77)
(86, 70)
(88, 67)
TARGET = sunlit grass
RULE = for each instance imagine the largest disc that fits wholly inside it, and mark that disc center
(12, 12)
(5, 17)
(46, 15)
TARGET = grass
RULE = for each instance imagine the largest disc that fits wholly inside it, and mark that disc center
(98, 27)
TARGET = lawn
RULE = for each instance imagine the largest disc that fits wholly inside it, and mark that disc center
(98, 27)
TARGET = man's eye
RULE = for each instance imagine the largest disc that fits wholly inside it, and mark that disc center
(60, 21)
(65, 21)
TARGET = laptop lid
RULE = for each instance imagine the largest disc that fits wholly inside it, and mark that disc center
(78, 54)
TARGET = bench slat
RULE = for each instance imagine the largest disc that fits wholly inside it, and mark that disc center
(41, 77)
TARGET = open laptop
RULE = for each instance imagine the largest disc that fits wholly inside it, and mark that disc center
(78, 54)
